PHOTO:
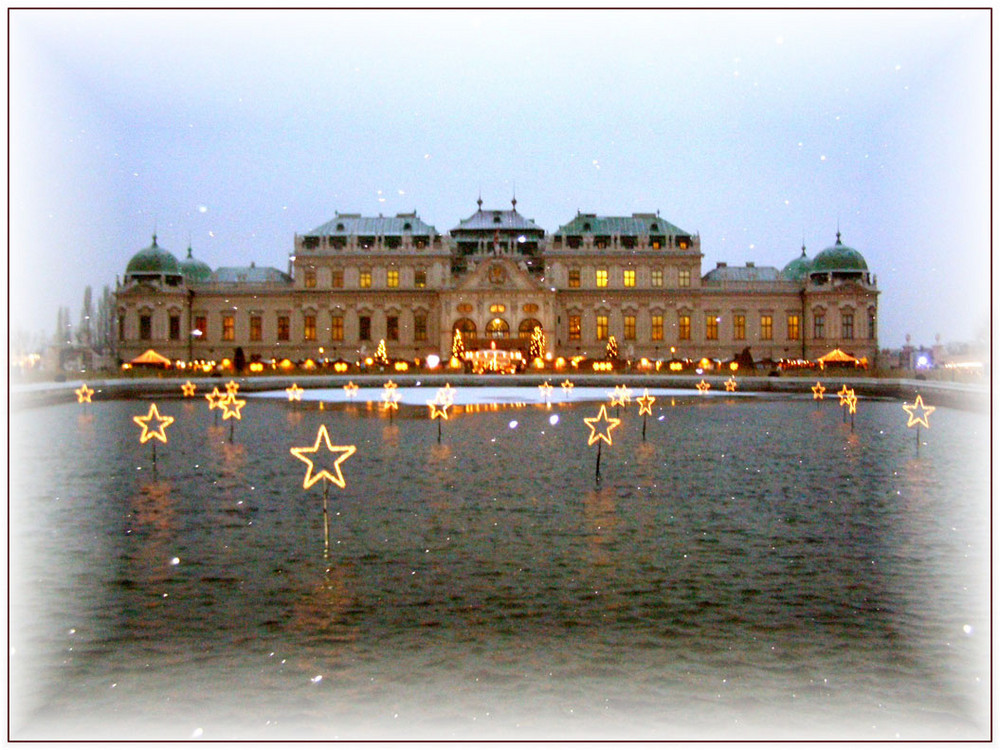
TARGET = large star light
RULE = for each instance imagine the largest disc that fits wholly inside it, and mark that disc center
(925, 411)
(645, 402)
(390, 398)
(83, 394)
(852, 402)
(162, 423)
(188, 389)
(214, 398)
(231, 406)
(333, 474)
(818, 390)
(439, 408)
(604, 433)
(844, 393)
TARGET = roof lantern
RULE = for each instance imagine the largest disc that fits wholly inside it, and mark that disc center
(153, 261)
(194, 269)
(839, 258)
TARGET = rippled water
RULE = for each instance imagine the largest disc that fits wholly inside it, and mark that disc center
(753, 569)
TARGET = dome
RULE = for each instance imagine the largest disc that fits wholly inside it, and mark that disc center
(153, 260)
(797, 268)
(194, 269)
(839, 257)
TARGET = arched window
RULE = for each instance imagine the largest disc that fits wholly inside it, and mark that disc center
(527, 327)
(466, 327)
(497, 329)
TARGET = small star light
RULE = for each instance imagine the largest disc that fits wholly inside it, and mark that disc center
(620, 396)
(731, 384)
(390, 385)
(160, 433)
(390, 399)
(844, 392)
(703, 386)
(925, 411)
(334, 474)
(852, 402)
(83, 394)
(818, 390)
(214, 398)
(294, 392)
(567, 385)
(351, 389)
(231, 406)
(605, 432)
(645, 402)
(439, 408)
(446, 394)
(546, 389)
(232, 387)
(188, 389)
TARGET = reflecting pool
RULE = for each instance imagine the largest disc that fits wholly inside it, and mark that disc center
(755, 568)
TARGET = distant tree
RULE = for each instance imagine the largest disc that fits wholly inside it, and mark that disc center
(64, 327)
(84, 332)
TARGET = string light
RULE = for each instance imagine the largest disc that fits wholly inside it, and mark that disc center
(160, 433)
(333, 474)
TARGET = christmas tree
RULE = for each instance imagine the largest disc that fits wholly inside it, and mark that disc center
(537, 346)
(611, 352)
(457, 345)
(381, 358)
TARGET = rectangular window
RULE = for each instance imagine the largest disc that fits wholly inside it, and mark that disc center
(819, 326)
(256, 329)
(793, 327)
(175, 327)
(309, 327)
(284, 329)
(657, 321)
(602, 277)
(630, 328)
(365, 280)
(337, 278)
(364, 328)
(711, 328)
(657, 277)
(871, 326)
(310, 278)
(684, 327)
(392, 328)
(766, 327)
(420, 327)
(739, 327)
(847, 326)
(574, 327)
(574, 278)
(684, 277)
(228, 328)
(201, 325)
(628, 277)
(392, 278)
(420, 278)
(121, 328)
(145, 327)
(337, 328)
(602, 327)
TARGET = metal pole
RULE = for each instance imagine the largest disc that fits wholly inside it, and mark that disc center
(597, 471)
(326, 519)
(643, 427)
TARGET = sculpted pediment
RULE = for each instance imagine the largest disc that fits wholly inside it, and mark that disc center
(497, 274)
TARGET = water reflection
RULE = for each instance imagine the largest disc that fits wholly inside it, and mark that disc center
(600, 521)
(324, 608)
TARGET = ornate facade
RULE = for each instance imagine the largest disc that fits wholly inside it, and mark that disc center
(356, 280)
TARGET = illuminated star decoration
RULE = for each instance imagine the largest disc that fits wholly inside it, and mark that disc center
(188, 389)
(334, 474)
(294, 392)
(567, 385)
(852, 402)
(390, 385)
(818, 390)
(605, 432)
(351, 389)
(214, 398)
(925, 411)
(844, 392)
(390, 398)
(703, 386)
(232, 387)
(446, 395)
(161, 425)
(546, 389)
(621, 396)
(83, 394)
(439, 407)
(731, 384)
(645, 402)
(231, 406)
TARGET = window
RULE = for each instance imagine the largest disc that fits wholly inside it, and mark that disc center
(711, 327)
(602, 327)
(871, 325)
(284, 329)
(465, 308)
(630, 328)
(175, 327)
(574, 278)
(309, 327)
(684, 277)
(145, 327)
(657, 321)
(847, 325)
(527, 328)
(337, 328)
(657, 277)
(392, 278)
(498, 308)
(530, 307)
(739, 326)
(766, 328)
(392, 328)
(310, 278)
(602, 277)
(628, 278)
(420, 278)
(121, 327)
(201, 324)
(365, 279)
(684, 327)
(793, 327)
(228, 328)
(574, 327)
(365, 327)
(337, 278)
(419, 327)
(497, 329)
(819, 326)
(255, 328)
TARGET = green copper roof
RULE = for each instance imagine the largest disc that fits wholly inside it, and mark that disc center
(195, 270)
(356, 225)
(635, 225)
(153, 260)
(838, 257)
(797, 268)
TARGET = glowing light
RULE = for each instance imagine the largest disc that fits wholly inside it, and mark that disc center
(446, 395)
(160, 433)
(605, 432)
(703, 387)
(351, 389)
(340, 367)
(512, 424)
(567, 385)
(232, 387)
(554, 420)
(915, 419)
(731, 384)
(818, 390)
(231, 406)
(734, 366)
(546, 389)
(432, 361)
(844, 392)
(439, 409)
(214, 398)
(334, 474)
(390, 396)
(83, 394)
(256, 367)
(676, 366)
(188, 389)
(645, 402)
(401, 366)
(852, 402)
(294, 392)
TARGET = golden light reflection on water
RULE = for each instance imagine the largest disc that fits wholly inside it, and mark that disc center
(324, 607)
(600, 522)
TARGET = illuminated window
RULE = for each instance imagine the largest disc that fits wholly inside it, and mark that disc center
(711, 327)
(629, 327)
(145, 327)
(309, 327)
(574, 327)
(739, 326)
(766, 327)
(602, 327)
(365, 279)
(175, 327)
(255, 328)
(574, 278)
(602, 277)
(337, 328)
(310, 278)
(498, 308)
(628, 278)
(337, 278)
(819, 326)
(284, 329)
(527, 328)
(847, 326)
(228, 328)
(392, 278)
(684, 327)
(656, 244)
(657, 277)
(419, 327)
(497, 329)
(684, 277)
(657, 321)
(420, 278)
(530, 307)
(364, 327)
(793, 327)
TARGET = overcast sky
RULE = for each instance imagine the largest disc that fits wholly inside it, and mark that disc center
(233, 130)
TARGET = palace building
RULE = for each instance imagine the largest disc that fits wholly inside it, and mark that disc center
(496, 276)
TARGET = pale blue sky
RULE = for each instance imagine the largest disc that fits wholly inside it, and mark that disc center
(757, 129)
